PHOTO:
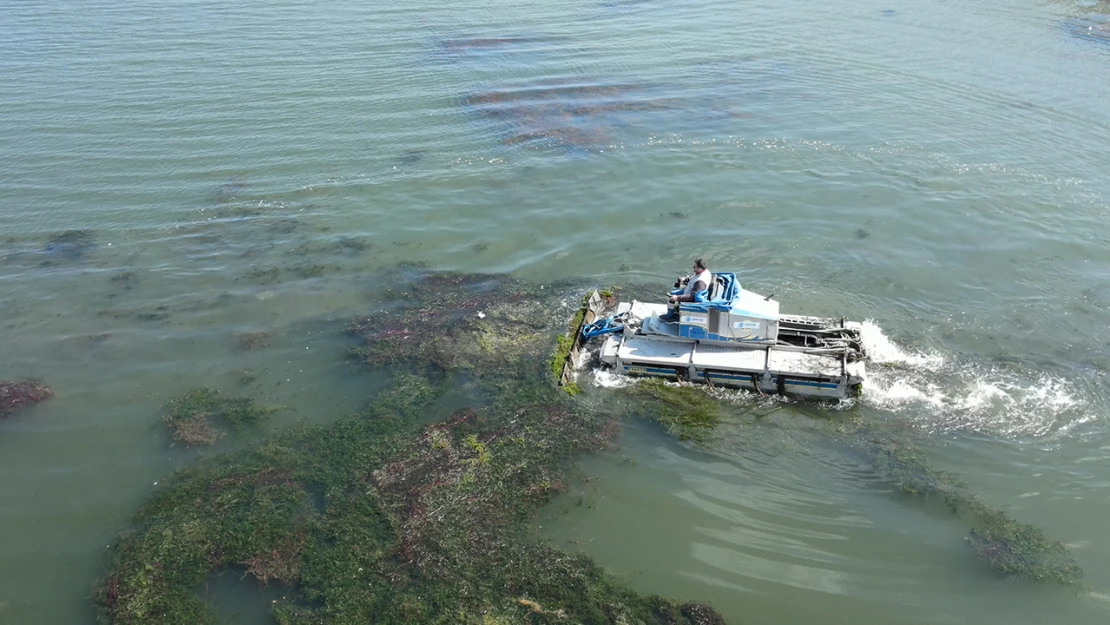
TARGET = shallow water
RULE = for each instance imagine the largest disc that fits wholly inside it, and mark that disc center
(937, 168)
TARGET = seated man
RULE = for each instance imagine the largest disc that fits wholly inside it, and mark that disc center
(696, 290)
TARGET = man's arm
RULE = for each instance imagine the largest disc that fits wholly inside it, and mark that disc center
(692, 297)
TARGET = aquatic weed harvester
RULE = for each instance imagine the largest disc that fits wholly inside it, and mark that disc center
(734, 338)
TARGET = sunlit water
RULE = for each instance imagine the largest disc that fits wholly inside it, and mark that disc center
(937, 168)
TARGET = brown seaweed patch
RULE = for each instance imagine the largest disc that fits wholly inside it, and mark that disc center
(569, 114)
(16, 395)
(282, 563)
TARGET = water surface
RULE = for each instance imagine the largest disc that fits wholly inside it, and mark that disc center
(936, 167)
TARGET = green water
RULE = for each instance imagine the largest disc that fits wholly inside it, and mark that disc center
(936, 167)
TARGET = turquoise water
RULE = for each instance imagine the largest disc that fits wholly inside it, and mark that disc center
(936, 167)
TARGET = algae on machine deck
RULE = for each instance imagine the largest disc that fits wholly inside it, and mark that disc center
(399, 514)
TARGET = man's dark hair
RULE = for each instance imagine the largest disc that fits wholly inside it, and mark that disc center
(700, 264)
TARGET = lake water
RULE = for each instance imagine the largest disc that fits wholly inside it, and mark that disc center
(936, 167)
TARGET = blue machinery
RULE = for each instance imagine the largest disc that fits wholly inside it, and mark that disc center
(736, 338)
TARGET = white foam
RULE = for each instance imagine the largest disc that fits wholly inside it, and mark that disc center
(994, 401)
(880, 349)
(946, 395)
(606, 378)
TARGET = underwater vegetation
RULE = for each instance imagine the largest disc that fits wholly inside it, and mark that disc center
(684, 410)
(564, 113)
(1006, 545)
(16, 395)
(408, 512)
(464, 44)
(490, 326)
(421, 508)
(192, 416)
(257, 339)
(71, 245)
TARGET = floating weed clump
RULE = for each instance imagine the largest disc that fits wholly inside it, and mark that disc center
(16, 395)
(190, 416)
(686, 410)
(1006, 545)
(254, 340)
(420, 521)
(488, 325)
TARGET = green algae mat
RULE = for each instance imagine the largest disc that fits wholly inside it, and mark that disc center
(398, 514)
(409, 512)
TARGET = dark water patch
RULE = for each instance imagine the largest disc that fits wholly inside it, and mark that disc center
(357, 245)
(69, 246)
(411, 157)
(1091, 27)
(154, 313)
(503, 51)
(239, 597)
(126, 280)
(263, 275)
(583, 116)
(463, 44)
(623, 6)
(309, 270)
(244, 377)
(231, 191)
(283, 225)
(163, 312)
(257, 339)
(272, 274)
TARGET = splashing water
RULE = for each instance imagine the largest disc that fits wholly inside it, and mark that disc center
(967, 395)
(880, 349)
(941, 393)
